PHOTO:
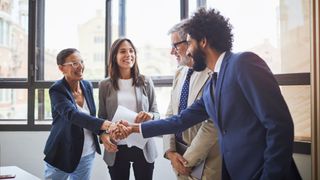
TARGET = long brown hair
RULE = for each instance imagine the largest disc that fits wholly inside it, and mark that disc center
(113, 67)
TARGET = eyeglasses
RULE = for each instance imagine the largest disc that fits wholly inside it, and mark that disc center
(175, 45)
(74, 64)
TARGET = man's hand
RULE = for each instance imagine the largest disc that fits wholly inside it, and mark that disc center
(178, 162)
(143, 116)
(124, 129)
(121, 131)
(108, 143)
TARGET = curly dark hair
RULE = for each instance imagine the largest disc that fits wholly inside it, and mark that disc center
(210, 24)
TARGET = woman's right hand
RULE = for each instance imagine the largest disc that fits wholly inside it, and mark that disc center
(108, 143)
(108, 125)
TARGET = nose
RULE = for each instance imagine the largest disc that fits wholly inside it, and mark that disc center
(173, 51)
(188, 53)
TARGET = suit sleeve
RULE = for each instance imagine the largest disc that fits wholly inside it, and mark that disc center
(194, 114)
(62, 106)
(206, 138)
(263, 94)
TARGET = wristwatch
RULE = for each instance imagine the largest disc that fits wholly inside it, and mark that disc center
(105, 132)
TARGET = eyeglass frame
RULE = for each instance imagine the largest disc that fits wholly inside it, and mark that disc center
(175, 45)
(74, 64)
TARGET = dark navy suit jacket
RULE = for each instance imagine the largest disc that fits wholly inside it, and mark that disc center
(255, 127)
(65, 143)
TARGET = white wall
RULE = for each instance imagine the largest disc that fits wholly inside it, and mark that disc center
(24, 149)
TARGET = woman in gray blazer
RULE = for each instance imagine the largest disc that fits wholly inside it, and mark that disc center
(125, 86)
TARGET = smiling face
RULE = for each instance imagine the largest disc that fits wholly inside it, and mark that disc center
(126, 56)
(72, 72)
(196, 53)
(178, 49)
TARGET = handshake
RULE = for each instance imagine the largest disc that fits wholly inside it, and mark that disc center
(117, 131)
(120, 130)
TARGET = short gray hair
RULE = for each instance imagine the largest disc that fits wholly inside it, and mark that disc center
(179, 29)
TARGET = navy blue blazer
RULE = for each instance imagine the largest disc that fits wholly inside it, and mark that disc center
(65, 143)
(255, 127)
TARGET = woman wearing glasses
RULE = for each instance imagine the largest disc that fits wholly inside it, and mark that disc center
(72, 143)
(125, 86)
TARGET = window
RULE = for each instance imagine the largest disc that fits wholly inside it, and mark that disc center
(13, 105)
(98, 57)
(5, 96)
(83, 29)
(147, 28)
(13, 39)
(99, 39)
(280, 33)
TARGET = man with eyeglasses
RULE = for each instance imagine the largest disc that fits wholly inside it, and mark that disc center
(201, 139)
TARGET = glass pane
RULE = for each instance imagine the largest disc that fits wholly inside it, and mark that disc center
(298, 100)
(13, 39)
(13, 105)
(192, 7)
(278, 31)
(42, 109)
(147, 27)
(114, 20)
(163, 99)
(83, 29)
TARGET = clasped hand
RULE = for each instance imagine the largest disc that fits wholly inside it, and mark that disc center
(120, 130)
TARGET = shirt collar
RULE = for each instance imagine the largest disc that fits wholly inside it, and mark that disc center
(219, 62)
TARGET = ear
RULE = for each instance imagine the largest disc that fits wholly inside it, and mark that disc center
(60, 68)
(203, 42)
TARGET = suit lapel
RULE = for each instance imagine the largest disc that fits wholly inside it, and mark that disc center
(217, 90)
(198, 83)
(68, 90)
(138, 91)
(86, 94)
(177, 90)
(111, 102)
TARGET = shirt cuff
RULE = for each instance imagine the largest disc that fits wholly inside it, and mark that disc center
(140, 129)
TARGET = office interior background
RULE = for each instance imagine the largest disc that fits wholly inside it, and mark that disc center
(285, 33)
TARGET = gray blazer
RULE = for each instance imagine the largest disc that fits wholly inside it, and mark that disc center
(146, 101)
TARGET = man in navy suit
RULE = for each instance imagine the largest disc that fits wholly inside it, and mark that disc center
(243, 99)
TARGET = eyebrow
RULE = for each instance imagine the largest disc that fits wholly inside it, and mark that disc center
(75, 60)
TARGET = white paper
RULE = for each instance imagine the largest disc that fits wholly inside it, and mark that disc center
(134, 139)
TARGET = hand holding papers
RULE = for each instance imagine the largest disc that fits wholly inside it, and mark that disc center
(143, 116)
(135, 139)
